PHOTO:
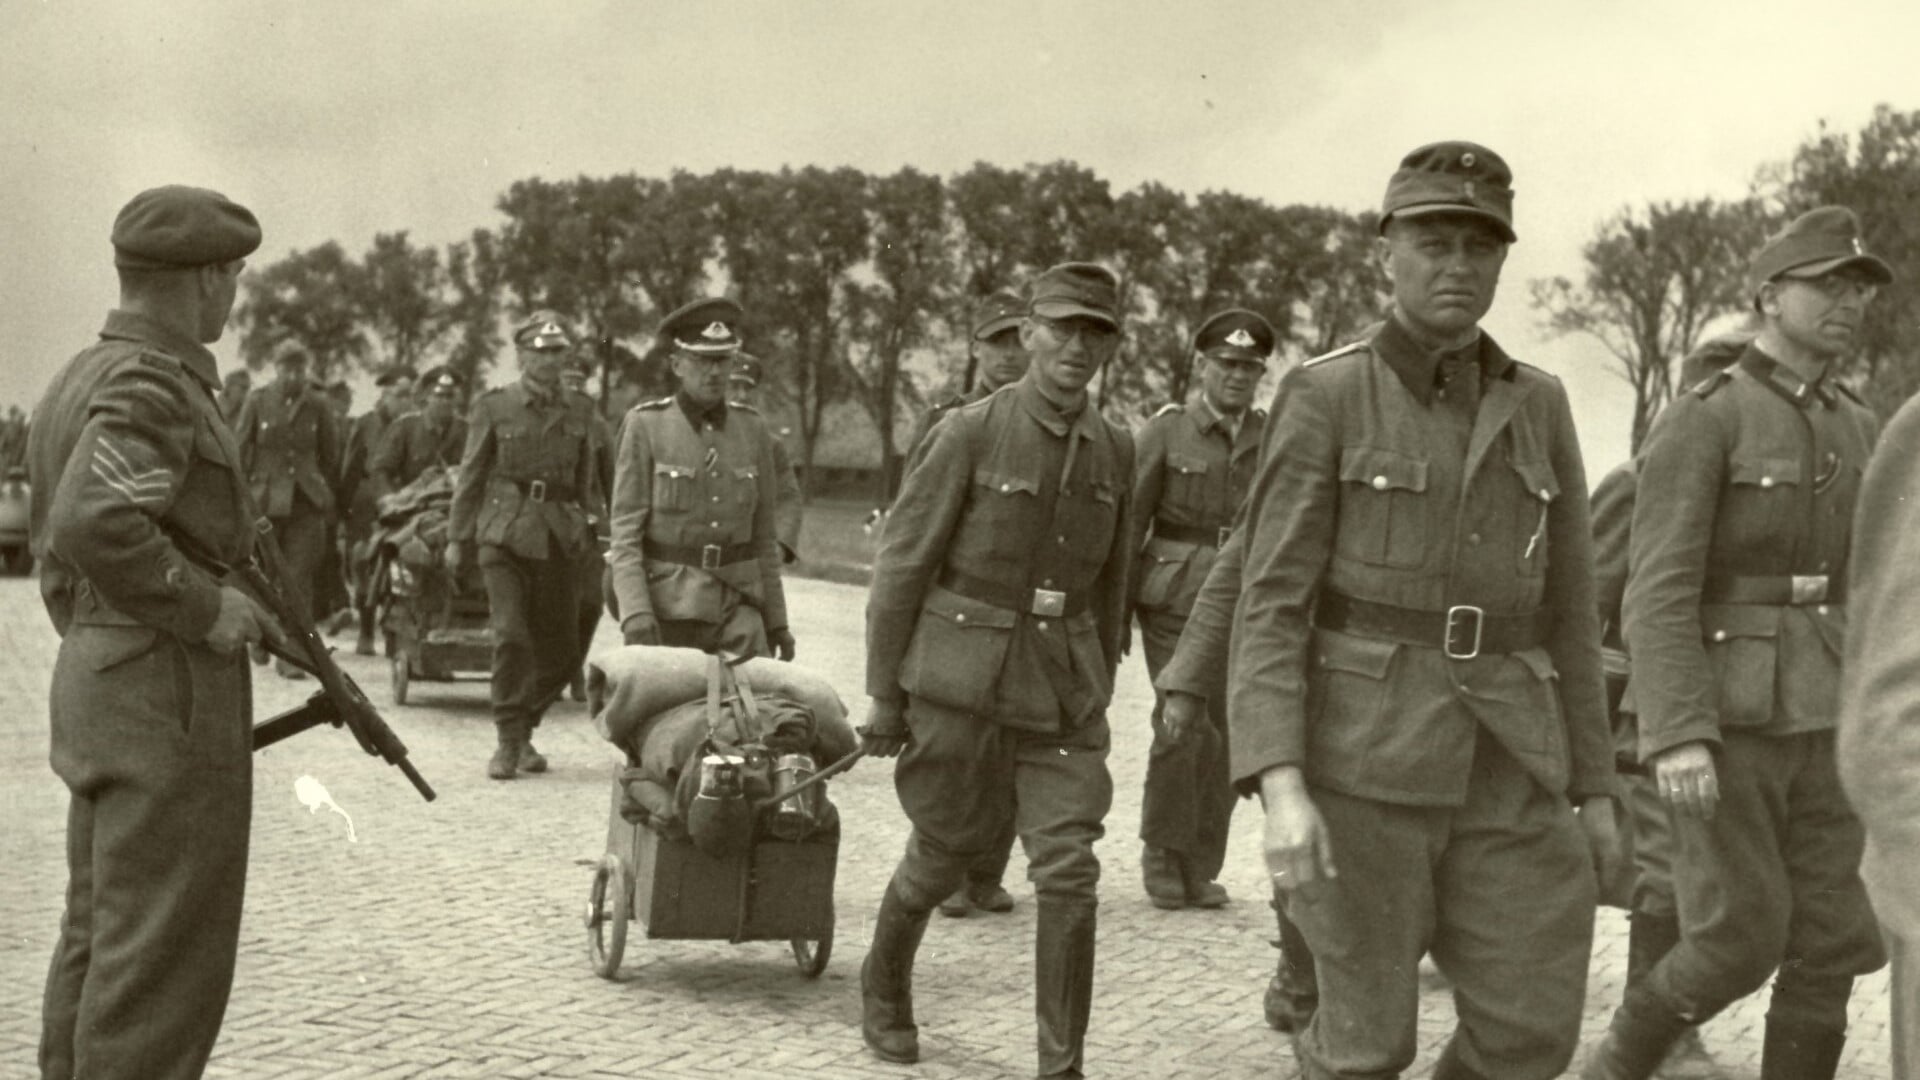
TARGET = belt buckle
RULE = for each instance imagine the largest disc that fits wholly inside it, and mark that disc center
(1455, 615)
(1051, 603)
(1809, 588)
(537, 490)
(710, 557)
(1221, 534)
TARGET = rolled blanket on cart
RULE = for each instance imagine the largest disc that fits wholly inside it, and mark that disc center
(629, 686)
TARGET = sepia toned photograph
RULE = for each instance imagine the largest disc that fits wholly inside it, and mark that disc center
(859, 540)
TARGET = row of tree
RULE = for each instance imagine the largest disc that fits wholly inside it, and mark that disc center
(857, 287)
(1660, 277)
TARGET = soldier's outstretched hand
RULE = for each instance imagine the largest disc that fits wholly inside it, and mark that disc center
(1687, 779)
(239, 623)
(781, 641)
(1298, 848)
(885, 733)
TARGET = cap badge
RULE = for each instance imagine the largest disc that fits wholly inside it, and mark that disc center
(548, 328)
(1858, 249)
(1241, 338)
(716, 331)
(1466, 160)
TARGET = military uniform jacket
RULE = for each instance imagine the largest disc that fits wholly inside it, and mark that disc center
(291, 447)
(413, 444)
(527, 474)
(694, 515)
(128, 451)
(1362, 489)
(364, 436)
(986, 510)
(1752, 474)
(1192, 475)
(917, 441)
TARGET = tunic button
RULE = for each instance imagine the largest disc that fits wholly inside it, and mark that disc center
(1046, 583)
(1004, 488)
(1379, 483)
(1822, 609)
(1473, 538)
(1060, 539)
(1719, 635)
(713, 524)
(1766, 481)
(960, 617)
(1042, 625)
(716, 498)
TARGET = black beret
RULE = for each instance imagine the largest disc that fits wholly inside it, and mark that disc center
(708, 326)
(746, 369)
(1077, 288)
(1452, 178)
(178, 228)
(1235, 334)
(393, 374)
(442, 377)
(1821, 240)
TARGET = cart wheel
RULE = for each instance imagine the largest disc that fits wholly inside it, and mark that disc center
(812, 956)
(608, 907)
(402, 675)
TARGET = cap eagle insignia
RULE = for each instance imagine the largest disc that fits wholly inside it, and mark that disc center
(716, 331)
(1241, 338)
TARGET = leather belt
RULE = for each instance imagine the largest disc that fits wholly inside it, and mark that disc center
(705, 556)
(542, 492)
(1193, 534)
(1048, 603)
(1781, 590)
(1463, 631)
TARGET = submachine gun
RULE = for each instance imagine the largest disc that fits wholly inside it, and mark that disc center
(339, 700)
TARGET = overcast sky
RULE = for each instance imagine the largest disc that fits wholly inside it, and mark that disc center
(338, 120)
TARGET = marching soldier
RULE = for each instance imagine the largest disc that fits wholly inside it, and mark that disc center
(593, 561)
(1416, 689)
(1734, 614)
(360, 489)
(695, 560)
(432, 436)
(994, 625)
(525, 482)
(291, 445)
(743, 388)
(1194, 467)
(129, 454)
(995, 358)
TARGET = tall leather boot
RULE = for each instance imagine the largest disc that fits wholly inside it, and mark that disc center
(506, 756)
(1795, 1050)
(886, 980)
(1292, 993)
(1643, 1029)
(1063, 981)
(1650, 936)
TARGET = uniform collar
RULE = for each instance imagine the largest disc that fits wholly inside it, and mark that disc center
(1206, 417)
(537, 397)
(1782, 380)
(131, 326)
(1417, 366)
(1048, 415)
(698, 415)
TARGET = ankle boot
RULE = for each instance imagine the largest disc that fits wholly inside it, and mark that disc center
(1160, 873)
(1795, 1050)
(506, 755)
(1292, 994)
(1063, 981)
(886, 980)
(1643, 1029)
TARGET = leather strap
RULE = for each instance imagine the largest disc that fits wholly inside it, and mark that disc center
(1778, 590)
(1462, 631)
(1000, 595)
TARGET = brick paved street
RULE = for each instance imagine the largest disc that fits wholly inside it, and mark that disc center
(447, 942)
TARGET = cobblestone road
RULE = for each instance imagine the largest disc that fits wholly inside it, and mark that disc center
(447, 941)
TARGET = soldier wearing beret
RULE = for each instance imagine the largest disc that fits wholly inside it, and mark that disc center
(743, 388)
(995, 622)
(361, 488)
(129, 457)
(1416, 691)
(290, 442)
(593, 561)
(1735, 610)
(527, 481)
(995, 358)
(432, 436)
(1194, 466)
(695, 560)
